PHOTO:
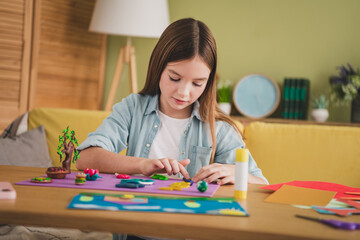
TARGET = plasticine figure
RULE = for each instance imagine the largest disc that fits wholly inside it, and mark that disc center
(66, 146)
(67, 142)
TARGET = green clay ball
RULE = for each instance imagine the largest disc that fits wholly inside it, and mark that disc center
(202, 186)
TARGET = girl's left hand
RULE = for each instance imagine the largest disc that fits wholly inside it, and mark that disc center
(224, 172)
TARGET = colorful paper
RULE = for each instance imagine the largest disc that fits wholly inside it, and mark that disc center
(300, 196)
(340, 207)
(340, 189)
(350, 198)
(108, 181)
(158, 204)
(343, 212)
(334, 203)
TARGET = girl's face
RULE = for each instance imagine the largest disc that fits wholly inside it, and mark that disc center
(181, 84)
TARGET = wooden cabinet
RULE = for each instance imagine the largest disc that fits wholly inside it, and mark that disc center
(48, 58)
(15, 49)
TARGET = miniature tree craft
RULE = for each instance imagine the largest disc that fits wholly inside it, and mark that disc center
(66, 146)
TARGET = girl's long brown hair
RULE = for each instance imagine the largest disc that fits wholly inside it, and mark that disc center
(181, 40)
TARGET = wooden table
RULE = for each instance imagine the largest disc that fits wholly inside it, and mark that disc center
(47, 206)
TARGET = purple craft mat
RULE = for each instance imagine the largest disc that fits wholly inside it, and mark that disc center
(108, 181)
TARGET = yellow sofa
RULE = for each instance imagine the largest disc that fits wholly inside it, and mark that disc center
(55, 120)
(284, 152)
(287, 152)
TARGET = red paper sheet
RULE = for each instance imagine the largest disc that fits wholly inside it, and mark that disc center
(340, 189)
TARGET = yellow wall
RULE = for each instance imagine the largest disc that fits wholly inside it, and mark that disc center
(279, 38)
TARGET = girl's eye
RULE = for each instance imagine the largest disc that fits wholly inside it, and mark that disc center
(197, 85)
(174, 79)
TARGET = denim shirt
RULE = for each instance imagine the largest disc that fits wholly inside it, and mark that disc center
(134, 123)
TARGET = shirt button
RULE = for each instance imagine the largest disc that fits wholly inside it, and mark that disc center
(147, 145)
(155, 126)
(183, 152)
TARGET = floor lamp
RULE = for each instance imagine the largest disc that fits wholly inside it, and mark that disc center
(130, 18)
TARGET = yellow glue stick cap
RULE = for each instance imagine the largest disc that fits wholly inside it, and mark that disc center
(240, 194)
(242, 155)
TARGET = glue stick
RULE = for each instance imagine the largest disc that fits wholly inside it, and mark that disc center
(241, 173)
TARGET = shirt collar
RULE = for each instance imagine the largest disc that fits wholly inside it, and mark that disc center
(196, 111)
(154, 106)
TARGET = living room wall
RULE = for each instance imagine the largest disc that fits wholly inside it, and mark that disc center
(278, 38)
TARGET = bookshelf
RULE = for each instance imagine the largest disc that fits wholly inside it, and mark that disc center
(245, 121)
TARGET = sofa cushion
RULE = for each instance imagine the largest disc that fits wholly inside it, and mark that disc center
(55, 120)
(287, 152)
(27, 149)
(17, 127)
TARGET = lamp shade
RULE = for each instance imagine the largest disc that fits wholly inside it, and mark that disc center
(133, 18)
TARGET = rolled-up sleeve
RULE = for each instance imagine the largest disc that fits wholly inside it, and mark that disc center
(113, 133)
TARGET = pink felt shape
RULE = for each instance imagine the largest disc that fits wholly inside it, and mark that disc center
(340, 189)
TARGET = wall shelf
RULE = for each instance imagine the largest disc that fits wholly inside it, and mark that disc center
(246, 121)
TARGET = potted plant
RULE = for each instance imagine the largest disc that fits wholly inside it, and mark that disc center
(320, 112)
(345, 89)
(223, 89)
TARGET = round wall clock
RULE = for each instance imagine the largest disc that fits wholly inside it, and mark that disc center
(256, 96)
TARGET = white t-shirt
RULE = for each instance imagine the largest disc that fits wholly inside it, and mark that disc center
(167, 140)
(166, 143)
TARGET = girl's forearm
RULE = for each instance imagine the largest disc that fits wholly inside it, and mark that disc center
(256, 180)
(109, 162)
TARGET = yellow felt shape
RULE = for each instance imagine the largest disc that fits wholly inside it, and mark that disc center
(287, 152)
(55, 120)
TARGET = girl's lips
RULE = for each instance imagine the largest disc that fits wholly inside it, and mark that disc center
(178, 101)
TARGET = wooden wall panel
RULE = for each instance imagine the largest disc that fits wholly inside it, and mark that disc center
(67, 60)
(15, 49)
(48, 58)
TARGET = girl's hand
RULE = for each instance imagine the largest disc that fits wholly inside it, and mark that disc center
(165, 165)
(224, 172)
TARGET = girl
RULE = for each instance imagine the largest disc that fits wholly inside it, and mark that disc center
(173, 124)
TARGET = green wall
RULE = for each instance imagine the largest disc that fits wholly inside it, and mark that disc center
(278, 38)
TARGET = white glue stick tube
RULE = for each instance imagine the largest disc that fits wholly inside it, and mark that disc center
(241, 173)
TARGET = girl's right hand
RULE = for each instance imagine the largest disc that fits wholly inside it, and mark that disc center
(165, 165)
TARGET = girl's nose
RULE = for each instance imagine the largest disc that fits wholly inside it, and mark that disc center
(184, 90)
